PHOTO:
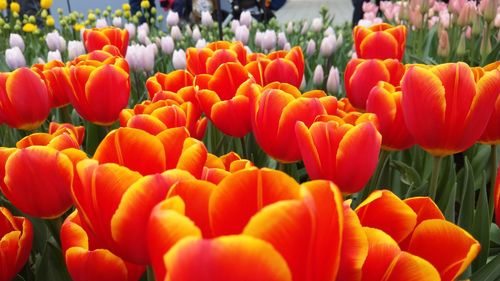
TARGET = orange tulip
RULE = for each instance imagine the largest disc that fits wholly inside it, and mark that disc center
(380, 41)
(420, 229)
(217, 168)
(445, 109)
(173, 82)
(361, 76)
(274, 114)
(386, 261)
(227, 100)
(24, 99)
(86, 259)
(257, 187)
(208, 59)
(236, 257)
(170, 149)
(279, 66)
(307, 232)
(98, 38)
(52, 73)
(60, 137)
(344, 153)
(50, 176)
(385, 101)
(16, 236)
(99, 90)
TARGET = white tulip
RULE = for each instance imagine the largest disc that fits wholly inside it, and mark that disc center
(318, 75)
(206, 19)
(241, 34)
(14, 58)
(130, 27)
(172, 18)
(333, 81)
(54, 55)
(15, 40)
(196, 34)
(75, 49)
(201, 43)
(167, 45)
(179, 59)
(117, 21)
(100, 23)
(176, 33)
(311, 47)
(316, 25)
(246, 18)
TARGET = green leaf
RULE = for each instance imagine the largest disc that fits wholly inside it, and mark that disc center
(52, 266)
(489, 272)
(495, 234)
(466, 185)
(481, 227)
(449, 212)
(409, 175)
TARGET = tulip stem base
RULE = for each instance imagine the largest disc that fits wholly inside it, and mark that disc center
(243, 148)
(493, 177)
(436, 169)
(150, 275)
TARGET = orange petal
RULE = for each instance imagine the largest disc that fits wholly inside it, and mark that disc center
(382, 250)
(146, 123)
(448, 247)
(256, 188)
(284, 71)
(385, 211)
(225, 258)
(220, 57)
(227, 78)
(193, 157)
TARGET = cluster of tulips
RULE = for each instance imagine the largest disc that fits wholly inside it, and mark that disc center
(152, 196)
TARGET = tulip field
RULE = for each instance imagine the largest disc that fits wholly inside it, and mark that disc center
(142, 147)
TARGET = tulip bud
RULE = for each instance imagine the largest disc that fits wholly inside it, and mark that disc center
(282, 39)
(329, 31)
(333, 81)
(496, 22)
(468, 32)
(54, 55)
(167, 45)
(444, 19)
(75, 49)
(142, 36)
(117, 21)
(55, 41)
(175, 32)
(476, 26)
(200, 44)
(246, 18)
(287, 47)
(206, 19)
(311, 47)
(327, 46)
(196, 34)
(305, 28)
(461, 45)
(488, 8)
(130, 27)
(15, 40)
(188, 31)
(316, 25)
(234, 24)
(14, 58)
(485, 48)
(172, 18)
(443, 45)
(303, 83)
(101, 23)
(258, 38)
(289, 27)
(179, 59)
(318, 75)
(269, 40)
(241, 34)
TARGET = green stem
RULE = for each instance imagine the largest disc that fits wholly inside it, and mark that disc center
(150, 274)
(436, 168)
(282, 166)
(493, 177)
(54, 226)
(243, 148)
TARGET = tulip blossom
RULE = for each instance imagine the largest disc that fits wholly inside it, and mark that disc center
(318, 75)
(361, 76)
(59, 137)
(227, 100)
(55, 41)
(344, 153)
(275, 129)
(167, 45)
(54, 55)
(16, 236)
(386, 101)
(306, 231)
(15, 40)
(172, 82)
(246, 18)
(172, 18)
(449, 112)
(24, 99)
(333, 81)
(491, 134)
(206, 19)
(196, 34)
(208, 59)
(97, 38)
(99, 90)
(86, 259)
(179, 59)
(50, 177)
(218, 168)
(311, 47)
(418, 227)
(380, 41)
(14, 58)
(75, 49)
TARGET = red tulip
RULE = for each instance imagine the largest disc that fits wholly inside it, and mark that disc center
(99, 90)
(86, 259)
(173, 82)
(16, 236)
(491, 134)
(217, 168)
(344, 153)
(24, 99)
(53, 75)
(275, 113)
(50, 176)
(208, 59)
(98, 38)
(361, 76)
(386, 102)
(60, 137)
(445, 109)
(380, 41)
(236, 257)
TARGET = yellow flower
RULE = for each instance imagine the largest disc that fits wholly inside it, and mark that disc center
(29, 27)
(50, 21)
(3, 4)
(126, 7)
(45, 4)
(77, 27)
(15, 7)
(145, 4)
(91, 17)
(118, 13)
